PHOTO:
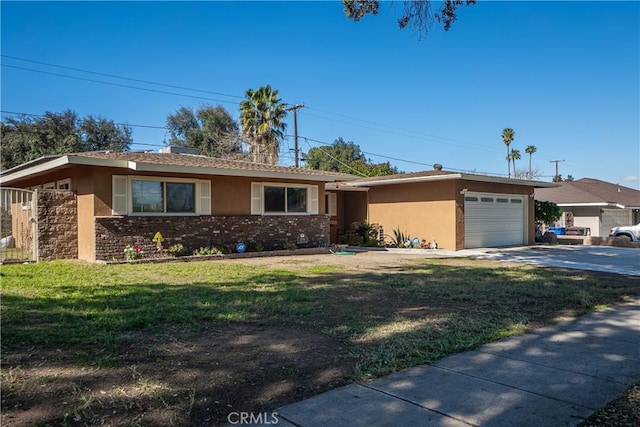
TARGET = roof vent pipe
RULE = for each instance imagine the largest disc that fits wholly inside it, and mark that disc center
(437, 167)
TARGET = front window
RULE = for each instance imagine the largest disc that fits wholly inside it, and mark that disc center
(285, 199)
(181, 197)
(162, 197)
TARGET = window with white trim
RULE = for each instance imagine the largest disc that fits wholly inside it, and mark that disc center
(331, 204)
(64, 184)
(49, 186)
(142, 195)
(283, 199)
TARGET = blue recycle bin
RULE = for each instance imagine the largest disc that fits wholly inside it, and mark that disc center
(558, 231)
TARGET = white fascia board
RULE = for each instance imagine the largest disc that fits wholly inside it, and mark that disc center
(468, 177)
(150, 167)
(598, 204)
(43, 167)
(92, 161)
(403, 180)
(590, 204)
(59, 162)
(514, 181)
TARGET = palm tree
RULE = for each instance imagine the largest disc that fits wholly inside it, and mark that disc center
(513, 156)
(262, 116)
(530, 150)
(507, 137)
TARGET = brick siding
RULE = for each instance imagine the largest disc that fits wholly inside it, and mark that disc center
(113, 233)
(57, 224)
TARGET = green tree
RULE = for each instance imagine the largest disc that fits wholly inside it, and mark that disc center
(530, 150)
(419, 15)
(210, 129)
(336, 157)
(346, 157)
(546, 212)
(559, 178)
(29, 137)
(513, 156)
(262, 116)
(507, 138)
(375, 169)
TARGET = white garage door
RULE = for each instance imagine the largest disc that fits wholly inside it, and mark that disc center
(493, 220)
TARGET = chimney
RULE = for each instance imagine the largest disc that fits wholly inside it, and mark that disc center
(171, 149)
(437, 167)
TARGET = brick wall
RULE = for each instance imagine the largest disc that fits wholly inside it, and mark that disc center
(57, 224)
(113, 233)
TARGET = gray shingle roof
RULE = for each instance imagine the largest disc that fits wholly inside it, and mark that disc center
(198, 161)
(589, 190)
(170, 162)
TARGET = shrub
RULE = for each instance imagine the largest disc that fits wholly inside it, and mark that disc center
(290, 246)
(206, 250)
(221, 248)
(132, 252)
(368, 232)
(177, 250)
(253, 246)
(351, 239)
(400, 238)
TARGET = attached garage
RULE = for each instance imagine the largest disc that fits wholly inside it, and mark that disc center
(614, 218)
(492, 219)
(456, 210)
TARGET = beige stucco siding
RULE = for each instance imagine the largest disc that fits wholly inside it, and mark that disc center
(435, 210)
(83, 182)
(425, 210)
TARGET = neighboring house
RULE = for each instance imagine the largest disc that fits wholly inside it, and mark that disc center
(457, 210)
(117, 199)
(597, 205)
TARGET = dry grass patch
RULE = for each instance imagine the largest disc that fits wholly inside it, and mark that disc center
(187, 343)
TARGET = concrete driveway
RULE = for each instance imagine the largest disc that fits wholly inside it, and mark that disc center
(595, 258)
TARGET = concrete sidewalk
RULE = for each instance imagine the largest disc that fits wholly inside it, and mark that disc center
(555, 376)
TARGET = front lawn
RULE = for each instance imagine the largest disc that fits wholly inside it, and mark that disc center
(188, 343)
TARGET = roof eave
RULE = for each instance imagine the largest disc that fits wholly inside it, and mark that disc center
(450, 176)
(598, 204)
(516, 181)
(43, 165)
(401, 180)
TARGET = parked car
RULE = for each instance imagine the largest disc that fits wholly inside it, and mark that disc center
(631, 232)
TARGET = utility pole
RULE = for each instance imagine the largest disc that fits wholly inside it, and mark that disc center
(556, 178)
(295, 109)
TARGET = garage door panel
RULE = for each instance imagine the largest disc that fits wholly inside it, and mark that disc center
(494, 220)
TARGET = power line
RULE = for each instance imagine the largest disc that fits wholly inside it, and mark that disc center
(120, 124)
(119, 85)
(120, 77)
(379, 127)
(556, 177)
(334, 158)
(396, 158)
(295, 109)
(402, 132)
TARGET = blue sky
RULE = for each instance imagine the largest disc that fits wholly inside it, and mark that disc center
(564, 76)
